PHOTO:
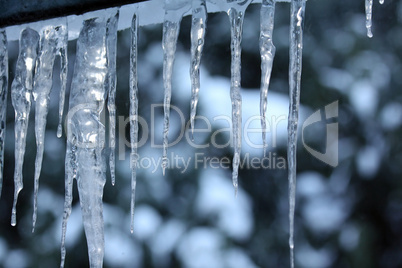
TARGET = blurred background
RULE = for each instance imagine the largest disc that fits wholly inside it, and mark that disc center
(346, 216)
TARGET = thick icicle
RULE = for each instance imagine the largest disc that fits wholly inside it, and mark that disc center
(267, 51)
(297, 10)
(111, 88)
(86, 136)
(3, 98)
(198, 27)
(49, 47)
(21, 91)
(235, 10)
(133, 113)
(174, 10)
(62, 42)
(369, 14)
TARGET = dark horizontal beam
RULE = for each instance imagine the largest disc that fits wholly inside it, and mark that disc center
(14, 12)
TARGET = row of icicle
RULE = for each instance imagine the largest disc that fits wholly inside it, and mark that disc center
(94, 81)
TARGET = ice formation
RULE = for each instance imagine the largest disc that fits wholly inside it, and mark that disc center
(174, 11)
(94, 80)
(369, 14)
(3, 98)
(21, 95)
(53, 41)
(110, 82)
(133, 113)
(198, 28)
(267, 51)
(297, 9)
(62, 52)
(235, 11)
(86, 134)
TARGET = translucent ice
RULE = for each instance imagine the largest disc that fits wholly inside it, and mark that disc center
(62, 42)
(198, 27)
(174, 10)
(235, 10)
(21, 94)
(52, 37)
(267, 51)
(3, 98)
(369, 14)
(111, 88)
(86, 135)
(133, 113)
(297, 9)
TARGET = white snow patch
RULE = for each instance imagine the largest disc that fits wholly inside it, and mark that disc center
(391, 116)
(146, 221)
(314, 258)
(215, 197)
(364, 98)
(201, 247)
(237, 258)
(324, 214)
(121, 250)
(349, 237)
(310, 183)
(368, 161)
(166, 238)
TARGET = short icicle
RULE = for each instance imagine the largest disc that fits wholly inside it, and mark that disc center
(369, 14)
(111, 84)
(49, 47)
(21, 95)
(295, 69)
(235, 10)
(86, 135)
(174, 11)
(62, 43)
(198, 28)
(3, 98)
(133, 112)
(267, 51)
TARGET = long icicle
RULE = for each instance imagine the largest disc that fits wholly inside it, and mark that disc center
(111, 84)
(369, 15)
(297, 11)
(236, 16)
(267, 51)
(43, 84)
(62, 52)
(174, 11)
(198, 28)
(133, 112)
(3, 99)
(21, 94)
(86, 135)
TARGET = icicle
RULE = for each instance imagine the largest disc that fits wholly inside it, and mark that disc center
(21, 90)
(235, 10)
(174, 10)
(267, 51)
(198, 27)
(111, 88)
(42, 87)
(62, 43)
(369, 14)
(381, 2)
(133, 112)
(3, 98)
(86, 136)
(295, 68)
